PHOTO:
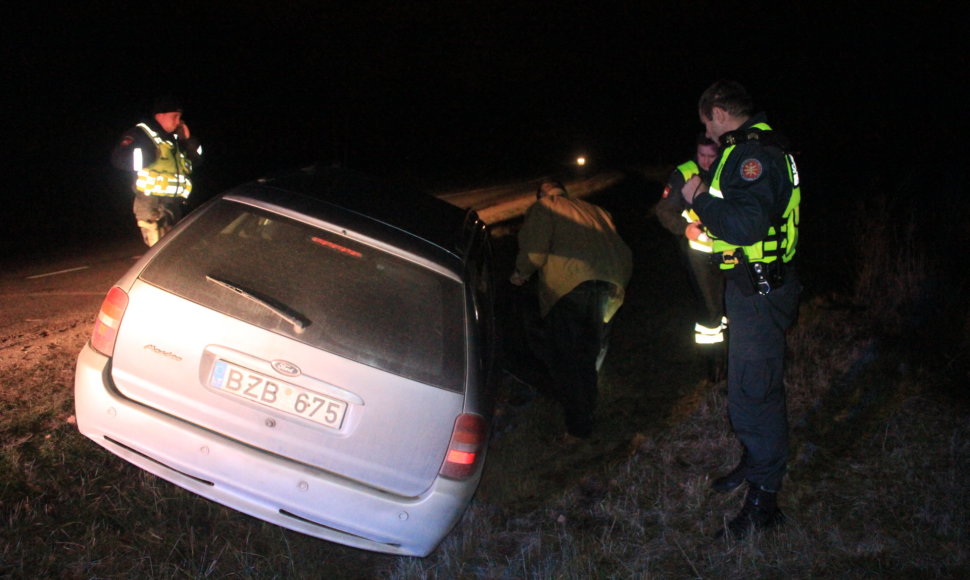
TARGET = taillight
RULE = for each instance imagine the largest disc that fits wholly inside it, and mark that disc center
(465, 449)
(109, 318)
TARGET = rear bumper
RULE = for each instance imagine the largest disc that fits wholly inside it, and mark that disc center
(260, 484)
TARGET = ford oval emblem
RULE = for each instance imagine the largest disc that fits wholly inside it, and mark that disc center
(286, 368)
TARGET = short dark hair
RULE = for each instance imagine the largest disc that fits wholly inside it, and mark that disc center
(166, 104)
(727, 95)
(703, 139)
(549, 185)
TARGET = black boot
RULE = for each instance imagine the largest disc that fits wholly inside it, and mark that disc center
(737, 476)
(759, 512)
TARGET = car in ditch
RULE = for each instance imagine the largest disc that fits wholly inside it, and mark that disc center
(315, 350)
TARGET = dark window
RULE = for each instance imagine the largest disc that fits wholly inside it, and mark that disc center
(320, 288)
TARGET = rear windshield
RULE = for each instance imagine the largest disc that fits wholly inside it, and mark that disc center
(319, 288)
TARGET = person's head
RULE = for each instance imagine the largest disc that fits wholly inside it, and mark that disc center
(168, 112)
(724, 107)
(550, 187)
(706, 151)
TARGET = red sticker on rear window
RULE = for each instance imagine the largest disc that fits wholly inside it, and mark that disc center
(751, 169)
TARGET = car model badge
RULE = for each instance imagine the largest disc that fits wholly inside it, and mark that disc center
(164, 353)
(286, 368)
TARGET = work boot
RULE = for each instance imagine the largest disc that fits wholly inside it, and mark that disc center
(732, 480)
(760, 512)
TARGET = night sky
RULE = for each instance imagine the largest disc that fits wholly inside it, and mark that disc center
(448, 91)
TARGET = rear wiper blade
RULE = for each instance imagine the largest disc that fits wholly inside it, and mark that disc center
(298, 321)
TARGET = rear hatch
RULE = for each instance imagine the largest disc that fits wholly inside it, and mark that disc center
(314, 342)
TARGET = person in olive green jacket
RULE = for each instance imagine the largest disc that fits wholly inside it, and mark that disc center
(583, 268)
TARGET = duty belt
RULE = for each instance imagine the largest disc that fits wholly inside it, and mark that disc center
(727, 257)
(764, 276)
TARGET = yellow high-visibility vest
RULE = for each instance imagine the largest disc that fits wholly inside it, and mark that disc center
(689, 169)
(168, 175)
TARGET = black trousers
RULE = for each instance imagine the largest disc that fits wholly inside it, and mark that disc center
(707, 282)
(756, 367)
(576, 334)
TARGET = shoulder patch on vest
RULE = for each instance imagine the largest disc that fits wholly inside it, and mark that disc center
(666, 192)
(128, 140)
(751, 169)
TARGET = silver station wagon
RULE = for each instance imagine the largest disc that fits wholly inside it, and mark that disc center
(314, 350)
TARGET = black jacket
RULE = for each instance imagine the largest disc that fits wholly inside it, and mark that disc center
(755, 186)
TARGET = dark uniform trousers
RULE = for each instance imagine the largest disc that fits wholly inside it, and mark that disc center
(576, 334)
(756, 389)
(708, 284)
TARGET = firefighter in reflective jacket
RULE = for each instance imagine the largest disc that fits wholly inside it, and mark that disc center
(751, 212)
(160, 154)
(706, 279)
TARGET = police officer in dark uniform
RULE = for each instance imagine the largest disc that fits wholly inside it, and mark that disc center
(750, 209)
(159, 153)
(705, 277)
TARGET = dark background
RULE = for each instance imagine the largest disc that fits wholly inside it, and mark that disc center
(463, 93)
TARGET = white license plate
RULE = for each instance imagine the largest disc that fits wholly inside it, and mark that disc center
(283, 396)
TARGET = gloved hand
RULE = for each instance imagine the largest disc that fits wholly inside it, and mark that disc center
(693, 187)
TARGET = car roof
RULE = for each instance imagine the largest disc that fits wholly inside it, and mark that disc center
(410, 211)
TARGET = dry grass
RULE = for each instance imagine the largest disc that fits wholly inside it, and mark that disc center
(891, 501)
(877, 486)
